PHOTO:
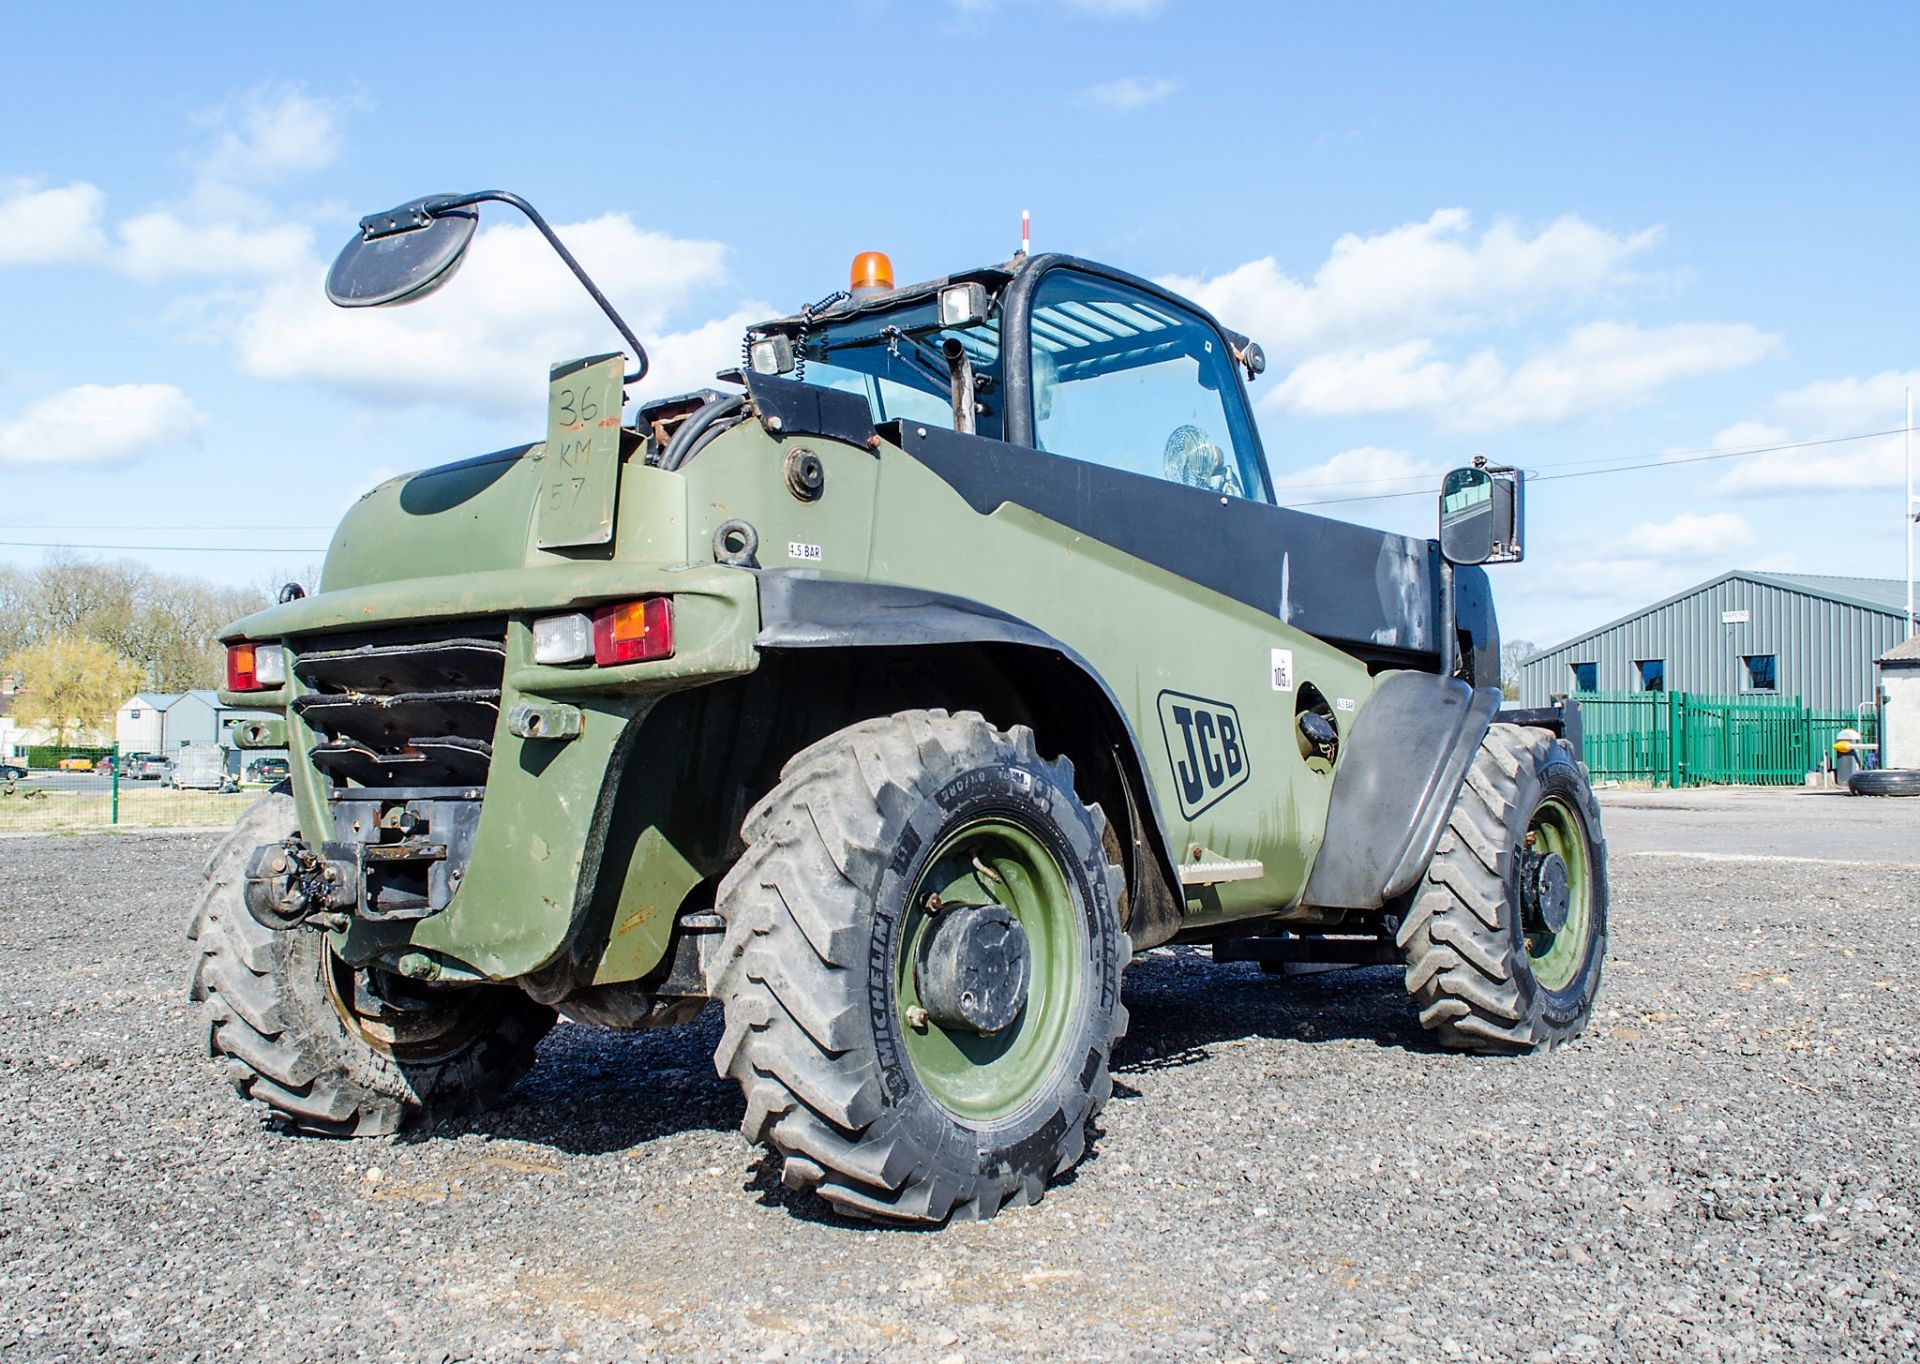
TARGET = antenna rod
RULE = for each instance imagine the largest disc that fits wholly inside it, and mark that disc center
(1026, 226)
(1909, 516)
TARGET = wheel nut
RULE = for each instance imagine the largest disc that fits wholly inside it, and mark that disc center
(917, 1018)
(933, 902)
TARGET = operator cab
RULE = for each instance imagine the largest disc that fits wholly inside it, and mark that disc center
(1113, 370)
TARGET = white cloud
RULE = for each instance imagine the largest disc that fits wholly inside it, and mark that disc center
(1818, 412)
(486, 340)
(159, 244)
(1369, 485)
(99, 424)
(1364, 471)
(1416, 279)
(50, 226)
(1690, 535)
(223, 226)
(1598, 366)
(272, 133)
(1840, 407)
(1652, 560)
(1127, 94)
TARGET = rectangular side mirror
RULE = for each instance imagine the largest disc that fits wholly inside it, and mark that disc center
(1481, 511)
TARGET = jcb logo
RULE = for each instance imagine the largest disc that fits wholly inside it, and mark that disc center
(1205, 745)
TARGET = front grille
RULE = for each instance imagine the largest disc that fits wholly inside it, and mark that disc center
(403, 709)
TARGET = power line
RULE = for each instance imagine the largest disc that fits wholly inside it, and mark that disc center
(146, 525)
(180, 549)
(1659, 462)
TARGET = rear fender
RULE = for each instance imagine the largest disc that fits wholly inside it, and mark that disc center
(800, 612)
(1402, 765)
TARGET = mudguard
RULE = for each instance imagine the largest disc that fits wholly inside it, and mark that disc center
(1402, 765)
(800, 611)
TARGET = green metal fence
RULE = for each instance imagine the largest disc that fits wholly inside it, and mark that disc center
(1690, 739)
(51, 801)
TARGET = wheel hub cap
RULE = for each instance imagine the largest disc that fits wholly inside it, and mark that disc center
(1545, 892)
(972, 968)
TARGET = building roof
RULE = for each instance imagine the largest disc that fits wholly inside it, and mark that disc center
(1882, 594)
(1901, 652)
(1887, 595)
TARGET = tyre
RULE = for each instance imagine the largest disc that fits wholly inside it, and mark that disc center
(1892, 781)
(330, 1049)
(1506, 934)
(921, 969)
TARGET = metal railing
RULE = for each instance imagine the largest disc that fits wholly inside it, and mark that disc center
(1690, 739)
(104, 795)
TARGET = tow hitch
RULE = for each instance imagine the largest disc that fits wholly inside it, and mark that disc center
(405, 861)
(289, 884)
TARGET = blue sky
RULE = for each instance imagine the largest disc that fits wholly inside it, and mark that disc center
(1559, 236)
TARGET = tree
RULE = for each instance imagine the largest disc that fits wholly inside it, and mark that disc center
(71, 685)
(1512, 654)
(163, 623)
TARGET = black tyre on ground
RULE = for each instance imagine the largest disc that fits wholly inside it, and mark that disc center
(1505, 935)
(921, 969)
(1889, 781)
(332, 1050)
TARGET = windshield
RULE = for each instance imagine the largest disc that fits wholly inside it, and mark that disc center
(894, 360)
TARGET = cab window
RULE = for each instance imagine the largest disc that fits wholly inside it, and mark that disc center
(1129, 380)
(893, 360)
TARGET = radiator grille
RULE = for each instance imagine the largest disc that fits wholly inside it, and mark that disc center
(403, 709)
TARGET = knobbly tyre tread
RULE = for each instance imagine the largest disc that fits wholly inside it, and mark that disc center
(794, 975)
(278, 1037)
(1465, 958)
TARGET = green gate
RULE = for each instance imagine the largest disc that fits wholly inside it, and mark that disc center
(1689, 739)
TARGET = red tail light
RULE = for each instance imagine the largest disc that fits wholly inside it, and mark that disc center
(240, 670)
(255, 667)
(633, 631)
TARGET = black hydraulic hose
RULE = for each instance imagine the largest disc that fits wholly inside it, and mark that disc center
(680, 449)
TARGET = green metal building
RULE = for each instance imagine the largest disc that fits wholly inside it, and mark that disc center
(1788, 635)
(1748, 678)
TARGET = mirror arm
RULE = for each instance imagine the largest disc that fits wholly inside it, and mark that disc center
(425, 209)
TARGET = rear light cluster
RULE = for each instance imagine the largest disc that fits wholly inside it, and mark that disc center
(255, 667)
(624, 632)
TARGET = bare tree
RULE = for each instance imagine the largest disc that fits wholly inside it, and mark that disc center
(1513, 653)
(165, 624)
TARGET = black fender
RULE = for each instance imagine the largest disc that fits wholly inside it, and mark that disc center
(801, 611)
(1400, 767)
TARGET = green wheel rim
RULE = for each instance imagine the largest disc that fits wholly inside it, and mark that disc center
(1556, 957)
(982, 1079)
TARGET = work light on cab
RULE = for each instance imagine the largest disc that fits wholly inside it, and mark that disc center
(255, 667)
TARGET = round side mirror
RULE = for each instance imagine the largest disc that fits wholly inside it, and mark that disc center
(402, 266)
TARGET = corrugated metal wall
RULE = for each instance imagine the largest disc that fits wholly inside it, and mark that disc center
(1825, 648)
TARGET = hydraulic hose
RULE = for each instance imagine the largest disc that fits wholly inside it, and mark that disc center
(688, 438)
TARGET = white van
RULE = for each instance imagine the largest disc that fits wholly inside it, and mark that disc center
(199, 767)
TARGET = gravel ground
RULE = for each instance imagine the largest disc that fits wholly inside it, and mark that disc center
(1724, 1168)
